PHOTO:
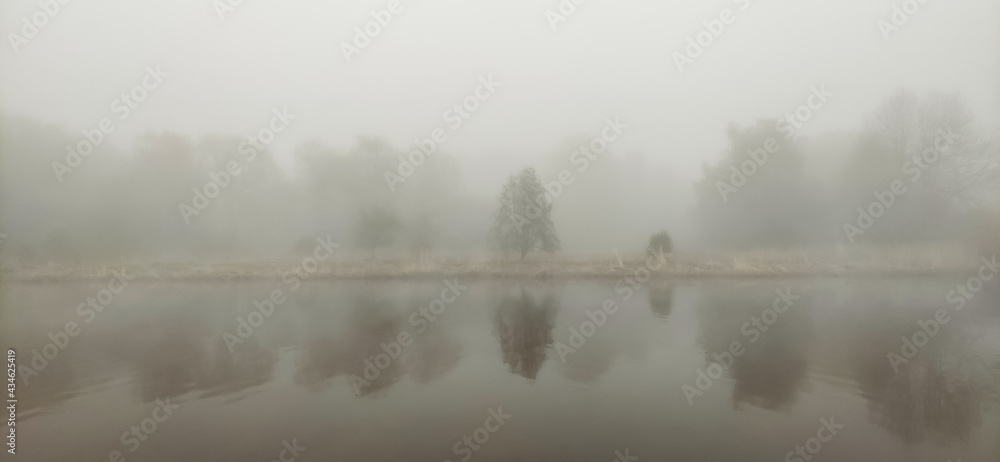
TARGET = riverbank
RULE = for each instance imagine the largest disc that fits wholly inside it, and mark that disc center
(762, 264)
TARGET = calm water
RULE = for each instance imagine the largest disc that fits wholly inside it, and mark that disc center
(500, 345)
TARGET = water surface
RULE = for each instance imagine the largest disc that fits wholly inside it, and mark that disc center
(506, 347)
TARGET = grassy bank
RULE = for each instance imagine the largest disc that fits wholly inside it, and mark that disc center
(785, 263)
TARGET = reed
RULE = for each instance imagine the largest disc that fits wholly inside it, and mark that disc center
(902, 260)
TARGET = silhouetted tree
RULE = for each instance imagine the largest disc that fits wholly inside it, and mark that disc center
(522, 222)
(931, 144)
(660, 242)
(376, 227)
(758, 194)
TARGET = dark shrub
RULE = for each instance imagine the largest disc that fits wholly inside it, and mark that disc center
(661, 240)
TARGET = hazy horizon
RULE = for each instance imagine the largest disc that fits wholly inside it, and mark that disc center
(606, 59)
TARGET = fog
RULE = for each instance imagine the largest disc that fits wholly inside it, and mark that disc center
(559, 230)
(174, 93)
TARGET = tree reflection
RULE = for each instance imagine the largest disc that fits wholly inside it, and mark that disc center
(770, 375)
(661, 299)
(359, 350)
(251, 365)
(181, 355)
(170, 345)
(622, 335)
(523, 326)
(923, 398)
(434, 355)
(56, 383)
(595, 358)
(591, 362)
(372, 322)
(937, 394)
(170, 359)
(773, 368)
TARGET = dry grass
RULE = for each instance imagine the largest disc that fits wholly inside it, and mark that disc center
(935, 259)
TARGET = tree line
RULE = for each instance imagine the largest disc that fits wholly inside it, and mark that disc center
(765, 191)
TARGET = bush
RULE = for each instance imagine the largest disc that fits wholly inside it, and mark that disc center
(661, 241)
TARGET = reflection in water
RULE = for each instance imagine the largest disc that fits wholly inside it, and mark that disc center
(169, 348)
(57, 382)
(179, 354)
(922, 398)
(596, 357)
(250, 366)
(827, 353)
(372, 321)
(524, 329)
(773, 369)
(372, 328)
(938, 394)
(171, 367)
(58, 379)
(169, 359)
(617, 339)
(661, 298)
(434, 355)
(770, 375)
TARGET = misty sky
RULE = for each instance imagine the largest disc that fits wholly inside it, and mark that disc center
(609, 58)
